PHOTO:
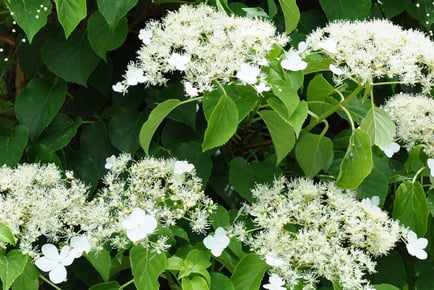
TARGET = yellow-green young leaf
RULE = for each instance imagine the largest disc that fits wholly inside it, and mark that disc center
(146, 267)
(410, 207)
(249, 272)
(155, 118)
(30, 15)
(222, 123)
(357, 162)
(281, 132)
(70, 13)
(6, 235)
(379, 126)
(28, 279)
(194, 283)
(291, 14)
(313, 152)
(12, 265)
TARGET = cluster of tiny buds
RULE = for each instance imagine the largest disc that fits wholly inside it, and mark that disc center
(23, 40)
(427, 22)
(5, 59)
(44, 8)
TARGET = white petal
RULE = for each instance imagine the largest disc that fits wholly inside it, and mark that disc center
(336, 70)
(293, 62)
(272, 261)
(430, 163)
(411, 237)
(421, 243)
(46, 264)
(136, 234)
(190, 90)
(148, 224)
(248, 74)
(390, 149)
(421, 254)
(50, 251)
(328, 45)
(118, 87)
(181, 167)
(79, 245)
(66, 258)
(58, 274)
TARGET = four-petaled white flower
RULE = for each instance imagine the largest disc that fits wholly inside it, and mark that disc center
(190, 90)
(79, 245)
(135, 76)
(430, 163)
(179, 61)
(118, 87)
(248, 73)
(293, 62)
(55, 262)
(110, 162)
(335, 69)
(262, 87)
(145, 36)
(390, 149)
(275, 282)
(415, 246)
(328, 45)
(218, 242)
(272, 261)
(139, 224)
(181, 167)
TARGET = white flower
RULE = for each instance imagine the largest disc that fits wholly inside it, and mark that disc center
(139, 224)
(190, 90)
(135, 76)
(248, 74)
(118, 87)
(79, 245)
(415, 246)
(179, 61)
(272, 261)
(218, 242)
(336, 70)
(145, 36)
(375, 200)
(293, 62)
(328, 45)
(430, 163)
(55, 263)
(262, 87)
(390, 149)
(110, 162)
(275, 282)
(181, 167)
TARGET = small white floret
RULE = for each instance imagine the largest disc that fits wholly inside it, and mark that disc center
(190, 90)
(272, 261)
(54, 262)
(79, 245)
(275, 282)
(248, 73)
(118, 87)
(430, 163)
(336, 70)
(181, 167)
(328, 45)
(110, 162)
(390, 149)
(135, 76)
(179, 61)
(293, 62)
(218, 242)
(262, 87)
(145, 36)
(416, 247)
(139, 225)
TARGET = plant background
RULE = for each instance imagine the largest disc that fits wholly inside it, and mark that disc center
(57, 68)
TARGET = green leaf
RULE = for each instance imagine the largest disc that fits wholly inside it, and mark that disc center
(6, 235)
(70, 13)
(43, 154)
(38, 104)
(155, 118)
(346, 9)
(113, 285)
(12, 265)
(220, 281)
(243, 175)
(29, 278)
(375, 184)
(379, 126)
(29, 14)
(174, 263)
(72, 59)
(317, 92)
(114, 10)
(219, 217)
(313, 153)
(124, 128)
(101, 261)
(385, 287)
(281, 132)
(288, 97)
(410, 207)
(290, 13)
(194, 283)
(249, 272)
(102, 37)
(357, 162)
(146, 267)
(84, 168)
(298, 117)
(392, 8)
(12, 145)
(222, 123)
(60, 132)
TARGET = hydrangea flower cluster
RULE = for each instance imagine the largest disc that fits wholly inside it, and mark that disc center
(139, 196)
(414, 118)
(204, 45)
(373, 49)
(306, 231)
(36, 201)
